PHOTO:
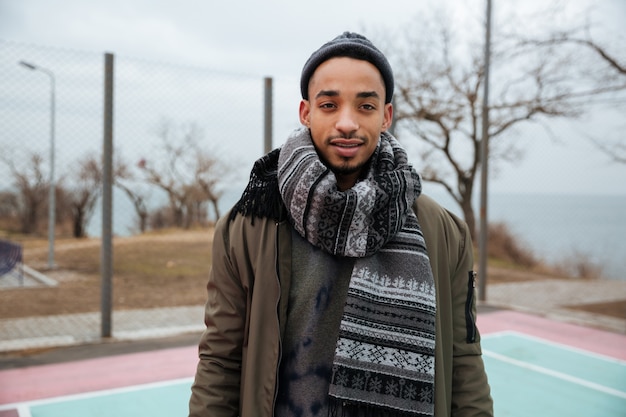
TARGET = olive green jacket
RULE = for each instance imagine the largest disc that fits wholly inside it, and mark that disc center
(246, 309)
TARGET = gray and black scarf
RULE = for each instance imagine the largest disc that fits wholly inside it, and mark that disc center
(384, 358)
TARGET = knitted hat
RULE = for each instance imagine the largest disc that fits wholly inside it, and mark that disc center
(352, 45)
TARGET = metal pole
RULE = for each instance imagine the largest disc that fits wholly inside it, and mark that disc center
(52, 190)
(268, 115)
(106, 255)
(52, 185)
(484, 160)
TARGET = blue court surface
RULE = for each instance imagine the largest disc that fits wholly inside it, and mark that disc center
(169, 398)
(534, 377)
(528, 376)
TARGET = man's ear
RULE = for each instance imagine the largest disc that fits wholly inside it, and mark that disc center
(305, 113)
(387, 117)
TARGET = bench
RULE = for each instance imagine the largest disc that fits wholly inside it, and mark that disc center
(10, 257)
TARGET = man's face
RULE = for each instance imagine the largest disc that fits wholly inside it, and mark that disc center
(346, 112)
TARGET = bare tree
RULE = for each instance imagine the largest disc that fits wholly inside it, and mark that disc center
(614, 150)
(439, 77)
(209, 173)
(187, 173)
(123, 177)
(31, 187)
(581, 37)
(83, 192)
(9, 206)
(614, 69)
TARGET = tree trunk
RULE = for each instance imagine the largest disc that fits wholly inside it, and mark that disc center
(143, 220)
(216, 208)
(470, 218)
(79, 230)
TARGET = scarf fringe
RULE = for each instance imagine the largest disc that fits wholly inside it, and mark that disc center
(261, 198)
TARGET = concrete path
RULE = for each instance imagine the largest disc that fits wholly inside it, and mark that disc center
(549, 298)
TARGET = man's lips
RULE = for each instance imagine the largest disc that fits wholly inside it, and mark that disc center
(346, 148)
(346, 142)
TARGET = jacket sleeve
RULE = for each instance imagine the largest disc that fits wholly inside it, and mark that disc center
(216, 388)
(470, 388)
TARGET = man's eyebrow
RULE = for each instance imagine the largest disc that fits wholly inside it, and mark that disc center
(327, 93)
(368, 94)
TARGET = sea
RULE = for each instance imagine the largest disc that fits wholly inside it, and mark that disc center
(556, 229)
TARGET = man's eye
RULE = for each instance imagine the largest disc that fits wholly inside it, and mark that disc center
(368, 107)
(327, 105)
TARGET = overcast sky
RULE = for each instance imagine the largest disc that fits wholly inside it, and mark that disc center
(274, 38)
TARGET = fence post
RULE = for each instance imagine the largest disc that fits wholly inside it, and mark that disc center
(106, 255)
(268, 115)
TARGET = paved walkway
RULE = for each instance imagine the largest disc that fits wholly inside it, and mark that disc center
(557, 299)
(547, 298)
(73, 329)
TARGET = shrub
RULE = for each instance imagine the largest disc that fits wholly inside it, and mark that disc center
(501, 244)
(580, 265)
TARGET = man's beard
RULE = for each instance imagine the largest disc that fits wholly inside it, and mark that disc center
(344, 168)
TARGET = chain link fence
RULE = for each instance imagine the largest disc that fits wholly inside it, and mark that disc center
(170, 123)
(184, 141)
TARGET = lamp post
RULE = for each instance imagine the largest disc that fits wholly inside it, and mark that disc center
(484, 162)
(51, 191)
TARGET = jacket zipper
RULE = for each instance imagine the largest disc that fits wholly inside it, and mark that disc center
(280, 341)
(470, 322)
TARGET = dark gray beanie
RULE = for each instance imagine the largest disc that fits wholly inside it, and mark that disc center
(352, 45)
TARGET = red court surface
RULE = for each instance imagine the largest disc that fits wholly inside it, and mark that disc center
(109, 372)
(592, 340)
(123, 370)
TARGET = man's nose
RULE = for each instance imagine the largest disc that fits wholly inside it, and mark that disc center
(347, 122)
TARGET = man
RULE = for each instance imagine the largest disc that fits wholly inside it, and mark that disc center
(334, 289)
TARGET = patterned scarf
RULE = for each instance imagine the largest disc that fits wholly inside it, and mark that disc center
(384, 357)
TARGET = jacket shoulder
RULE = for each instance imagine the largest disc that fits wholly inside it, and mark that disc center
(439, 225)
(426, 207)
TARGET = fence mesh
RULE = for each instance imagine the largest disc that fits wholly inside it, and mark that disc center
(164, 116)
(185, 139)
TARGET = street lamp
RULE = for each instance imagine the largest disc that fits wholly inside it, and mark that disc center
(51, 191)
